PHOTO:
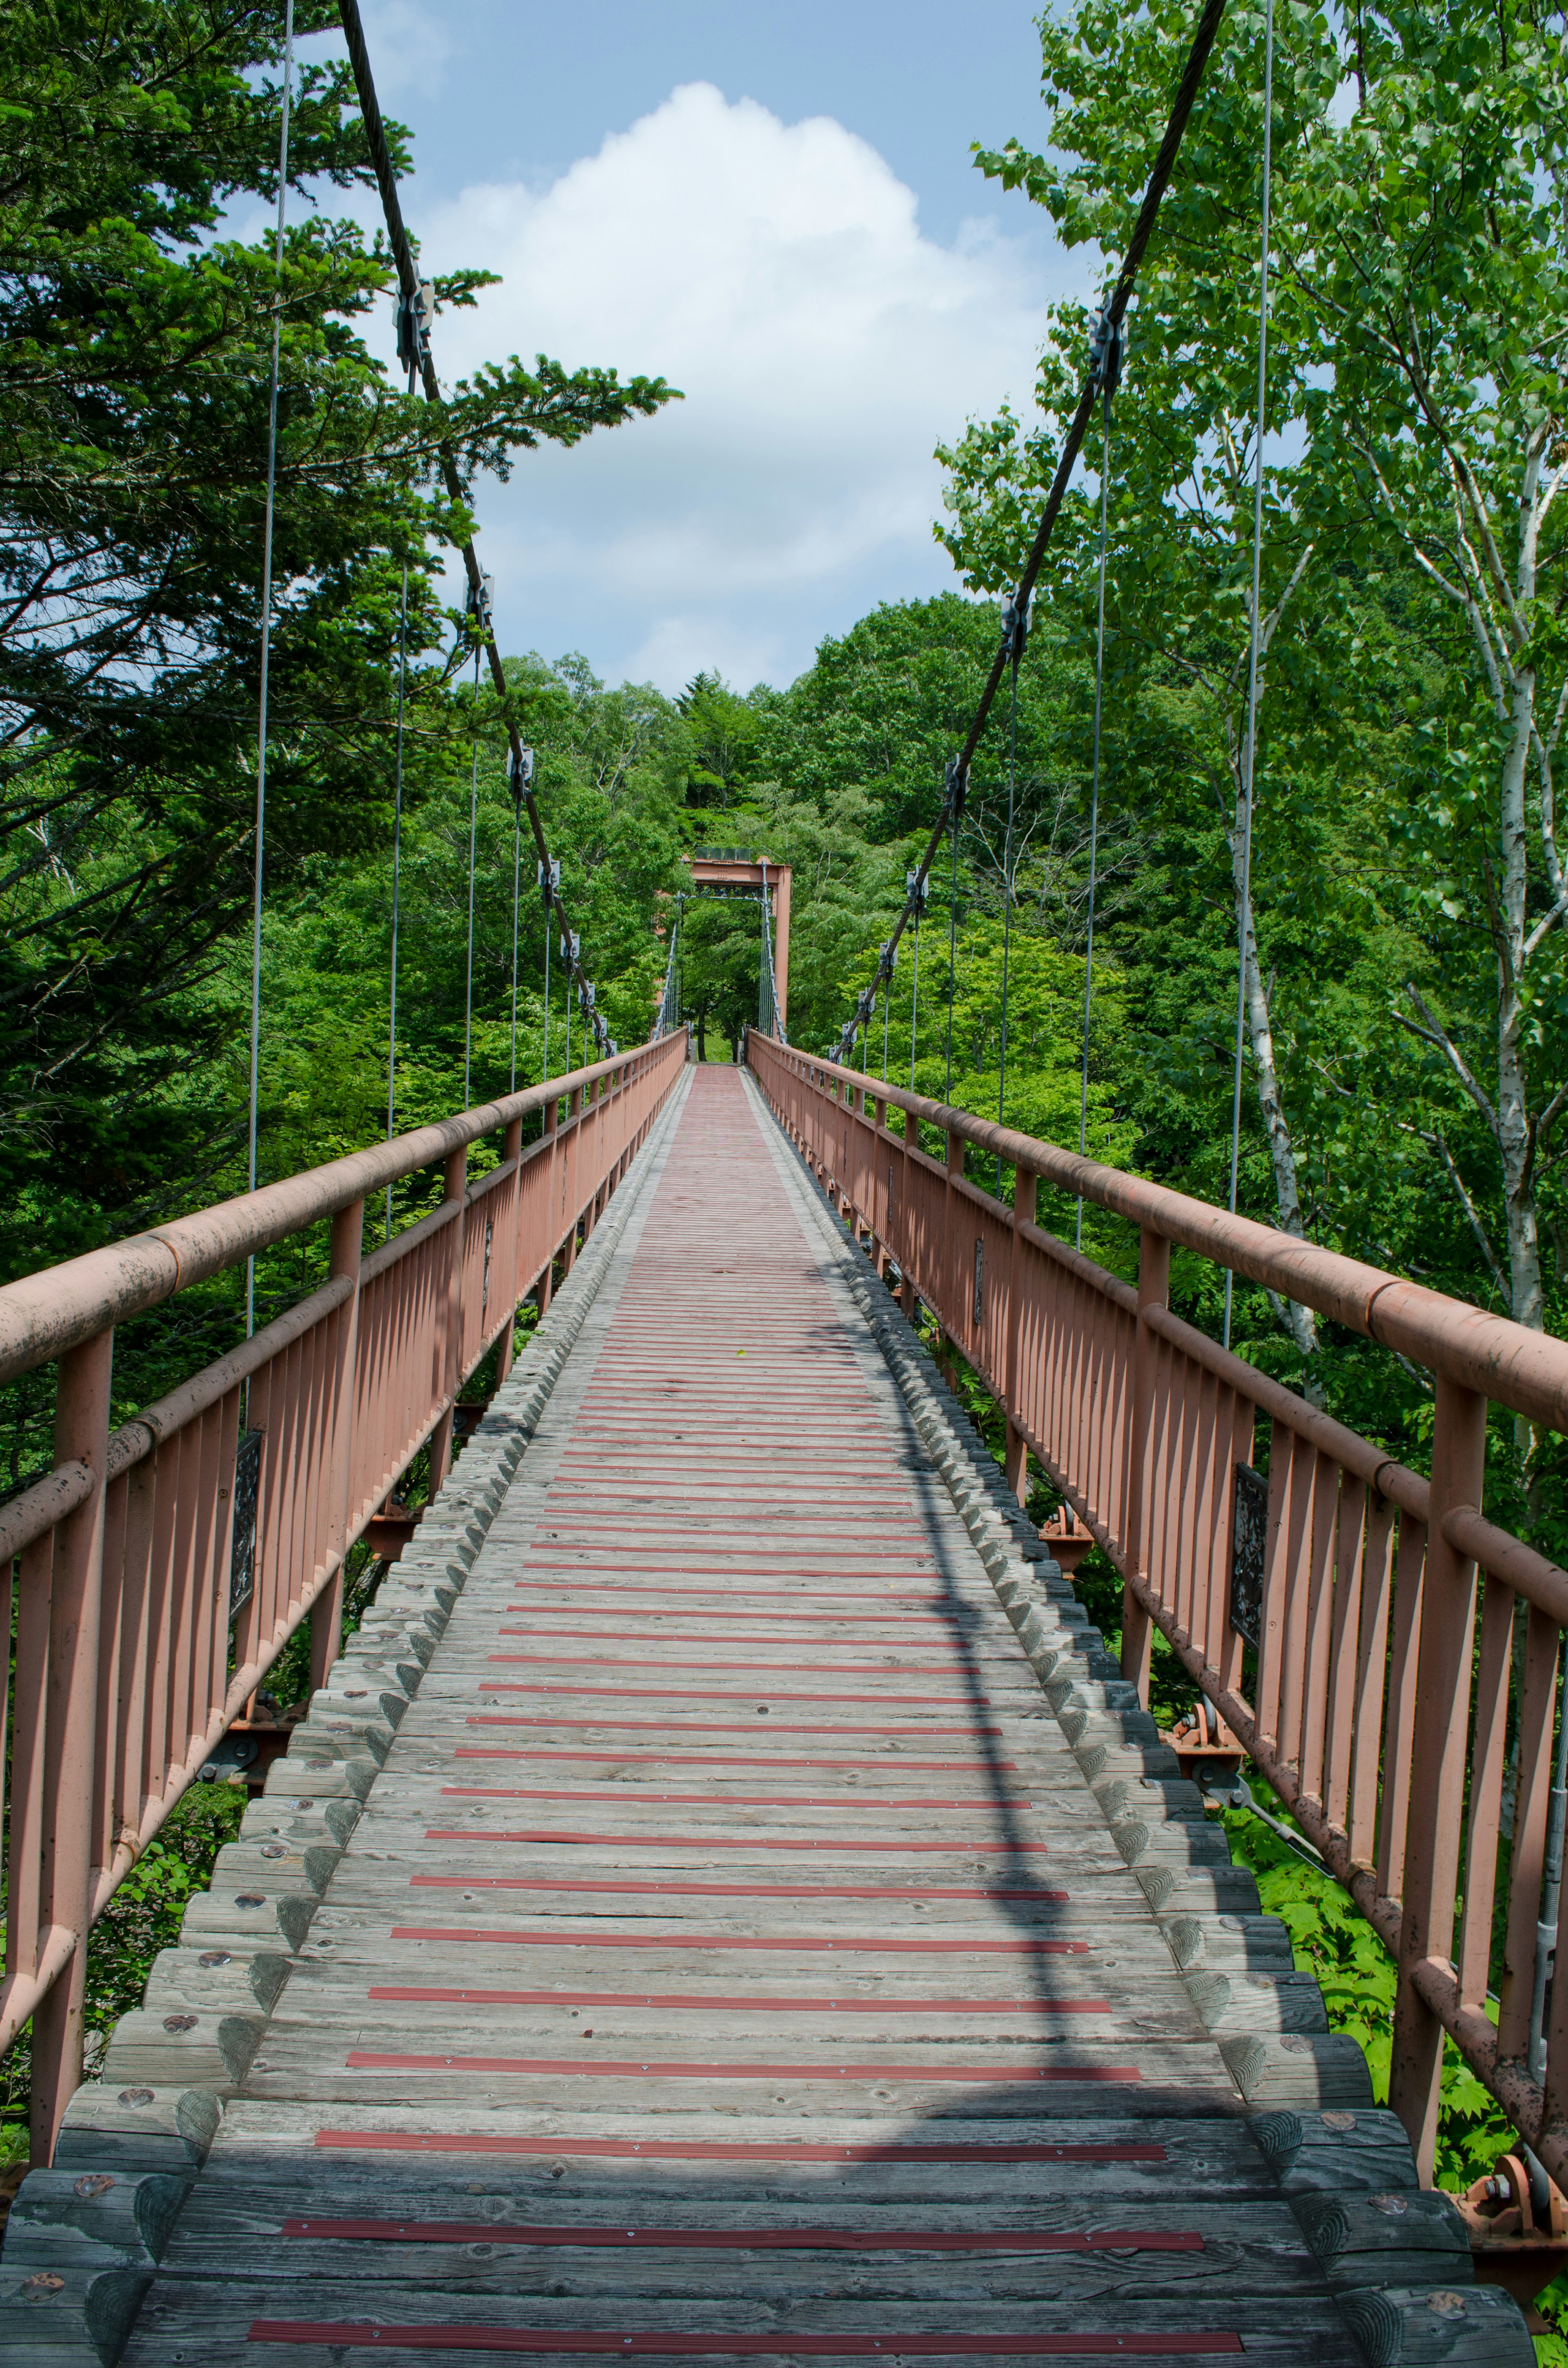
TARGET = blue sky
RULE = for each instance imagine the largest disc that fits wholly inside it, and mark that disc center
(775, 209)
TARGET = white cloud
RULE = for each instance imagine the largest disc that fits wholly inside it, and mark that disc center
(776, 273)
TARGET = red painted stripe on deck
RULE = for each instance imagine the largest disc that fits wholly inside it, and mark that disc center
(381, 2141)
(802, 1594)
(728, 1890)
(902, 1667)
(633, 1757)
(358, 2335)
(571, 2068)
(755, 2241)
(712, 1693)
(877, 1649)
(875, 1802)
(719, 1725)
(751, 1842)
(742, 2002)
(549, 1939)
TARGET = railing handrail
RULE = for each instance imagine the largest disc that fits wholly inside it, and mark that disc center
(1352, 1622)
(1524, 1371)
(44, 1314)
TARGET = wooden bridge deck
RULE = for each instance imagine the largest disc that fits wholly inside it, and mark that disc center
(732, 1957)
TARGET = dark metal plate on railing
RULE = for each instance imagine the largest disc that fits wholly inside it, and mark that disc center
(247, 1488)
(1249, 1531)
(979, 1277)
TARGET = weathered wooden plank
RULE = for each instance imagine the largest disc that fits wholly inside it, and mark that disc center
(706, 1861)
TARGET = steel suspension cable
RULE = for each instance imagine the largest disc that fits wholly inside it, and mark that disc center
(413, 296)
(1249, 745)
(517, 891)
(266, 639)
(549, 918)
(952, 947)
(1110, 369)
(1013, 626)
(473, 840)
(1202, 43)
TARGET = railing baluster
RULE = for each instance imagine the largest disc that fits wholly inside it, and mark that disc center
(1341, 1683)
(344, 1258)
(1485, 1792)
(25, 1825)
(1442, 1719)
(1537, 1704)
(1399, 1747)
(81, 1434)
(1154, 1290)
(1318, 1639)
(1371, 1667)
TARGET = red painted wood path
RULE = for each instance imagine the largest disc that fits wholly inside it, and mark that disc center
(566, 2065)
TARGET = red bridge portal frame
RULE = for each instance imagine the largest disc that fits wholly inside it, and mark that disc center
(732, 868)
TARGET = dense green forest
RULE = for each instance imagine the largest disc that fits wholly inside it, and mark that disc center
(1406, 997)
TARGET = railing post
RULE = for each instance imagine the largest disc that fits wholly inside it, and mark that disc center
(1016, 1460)
(592, 1127)
(881, 1236)
(70, 1784)
(327, 1612)
(909, 1298)
(574, 1155)
(950, 1290)
(1442, 1725)
(455, 1188)
(546, 1285)
(1154, 1290)
(512, 1148)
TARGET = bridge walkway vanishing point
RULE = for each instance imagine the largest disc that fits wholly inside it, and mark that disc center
(753, 1918)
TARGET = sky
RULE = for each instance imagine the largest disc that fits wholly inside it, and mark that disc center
(776, 211)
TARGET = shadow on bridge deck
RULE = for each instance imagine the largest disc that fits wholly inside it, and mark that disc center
(732, 1957)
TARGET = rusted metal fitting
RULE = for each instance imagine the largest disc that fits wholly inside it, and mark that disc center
(1518, 2230)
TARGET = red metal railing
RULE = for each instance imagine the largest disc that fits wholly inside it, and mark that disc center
(1362, 1712)
(125, 1671)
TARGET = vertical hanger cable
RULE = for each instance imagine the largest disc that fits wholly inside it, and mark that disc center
(266, 640)
(1249, 745)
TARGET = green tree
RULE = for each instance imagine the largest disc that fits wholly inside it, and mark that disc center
(134, 350)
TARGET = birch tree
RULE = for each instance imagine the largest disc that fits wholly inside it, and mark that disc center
(1427, 265)
(1184, 441)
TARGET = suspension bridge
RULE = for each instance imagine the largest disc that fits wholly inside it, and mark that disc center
(723, 1901)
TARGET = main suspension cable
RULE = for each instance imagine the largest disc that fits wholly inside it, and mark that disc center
(415, 309)
(1165, 162)
(1249, 745)
(266, 640)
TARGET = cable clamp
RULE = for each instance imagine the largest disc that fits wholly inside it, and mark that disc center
(413, 321)
(916, 891)
(1108, 340)
(958, 785)
(522, 774)
(889, 959)
(549, 876)
(480, 600)
(1015, 624)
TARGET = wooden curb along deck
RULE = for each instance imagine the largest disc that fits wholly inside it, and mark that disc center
(726, 1904)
